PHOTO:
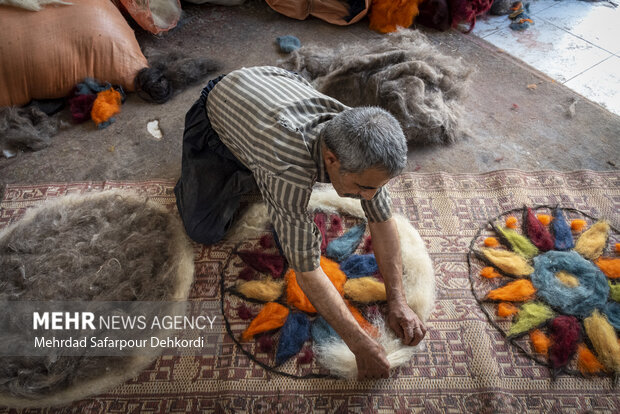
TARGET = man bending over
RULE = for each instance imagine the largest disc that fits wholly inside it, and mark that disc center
(269, 128)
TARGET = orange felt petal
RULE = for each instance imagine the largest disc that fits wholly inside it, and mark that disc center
(367, 326)
(296, 297)
(506, 309)
(577, 224)
(491, 242)
(544, 219)
(489, 272)
(587, 361)
(511, 222)
(610, 266)
(540, 341)
(271, 317)
(517, 291)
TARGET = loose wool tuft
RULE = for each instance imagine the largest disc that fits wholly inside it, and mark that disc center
(604, 340)
(106, 105)
(545, 219)
(272, 316)
(538, 234)
(266, 290)
(80, 107)
(359, 266)
(610, 266)
(561, 231)
(489, 272)
(465, 11)
(512, 222)
(587, 362)
(341, 248)
(26, 128)
(506, 309)
(293, 335)
(387, 16)
(508, 262)
(296, 297)
(540, 342)
(365, 290)
(264, 262)
(362, 322)
(517, 291)
(578, 225)
(612, 311)
(403, 73)
(565, 335)
(491, 242)
(519, 243)
(322, 331)
(591, 293)
(532, 315)
(592, 242)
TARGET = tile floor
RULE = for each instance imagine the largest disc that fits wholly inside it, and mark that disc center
(574, 42)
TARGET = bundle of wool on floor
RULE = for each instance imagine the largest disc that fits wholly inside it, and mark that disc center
(402, 72)
(25, 128)
(108, 246)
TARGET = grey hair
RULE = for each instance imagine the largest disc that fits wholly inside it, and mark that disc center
(367, 137)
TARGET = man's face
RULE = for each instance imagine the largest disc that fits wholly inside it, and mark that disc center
(360, 186)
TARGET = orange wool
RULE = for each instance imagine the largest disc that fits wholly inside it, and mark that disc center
(506, 309)
(577, 224)
(545, 219)
(297, 298)
(617, 247)
(491, 242)
(587, 361)
(489, 272)
(517, 291)
(609, 266)
(107, 104)
(387, 15)
(367, 326)
(511, 222)
(540, 341)
(272, 316)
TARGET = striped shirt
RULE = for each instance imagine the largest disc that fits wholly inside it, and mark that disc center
(271, 120)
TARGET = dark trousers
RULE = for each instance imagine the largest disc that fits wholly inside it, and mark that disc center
(212, 178)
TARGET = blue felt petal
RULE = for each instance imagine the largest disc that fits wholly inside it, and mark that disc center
(294, 333)
(359, 266)
(342, 247)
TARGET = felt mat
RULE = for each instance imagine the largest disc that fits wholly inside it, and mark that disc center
(467, 365)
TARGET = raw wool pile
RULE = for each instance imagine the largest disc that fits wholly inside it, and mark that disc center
(25, 128)
(330, 350)
(402, 72)
(108, 246)
(170, 73)
(33, 5)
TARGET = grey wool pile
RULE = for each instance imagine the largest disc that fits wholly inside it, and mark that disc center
(25, 128)
(402, 73)
(107, 246)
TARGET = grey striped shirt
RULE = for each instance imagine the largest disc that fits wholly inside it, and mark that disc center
(271, 120)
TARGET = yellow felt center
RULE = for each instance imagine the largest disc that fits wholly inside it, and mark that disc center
(568, 279)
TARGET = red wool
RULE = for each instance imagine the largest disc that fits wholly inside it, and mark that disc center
(80, 107)
(265, 343)
(565, 336)
(320, 221)
(264, 262)
(266, 242)
(306, 356)
(244, 312)
(247, 274)
(537, 232)
(465, 11)
(367, 245)
(335, 227)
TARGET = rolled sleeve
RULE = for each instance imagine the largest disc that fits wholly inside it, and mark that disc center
(379, 208)
(287, 205)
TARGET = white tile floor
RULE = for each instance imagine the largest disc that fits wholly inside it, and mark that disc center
(574, 42)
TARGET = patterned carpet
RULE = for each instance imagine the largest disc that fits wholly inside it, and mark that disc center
(467, 365)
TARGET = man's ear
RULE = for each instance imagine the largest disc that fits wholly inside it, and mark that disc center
(330, 158)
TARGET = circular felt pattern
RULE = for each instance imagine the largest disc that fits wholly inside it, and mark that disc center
(108, 246)
(564, 314)
(287, 336)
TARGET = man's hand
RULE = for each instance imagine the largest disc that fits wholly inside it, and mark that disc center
(405, 323)
(371, 361)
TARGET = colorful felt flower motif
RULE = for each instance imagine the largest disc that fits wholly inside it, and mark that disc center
(558, 288)
(286, 311)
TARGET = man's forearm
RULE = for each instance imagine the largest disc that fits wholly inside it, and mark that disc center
(328, 302)
(386, 244)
